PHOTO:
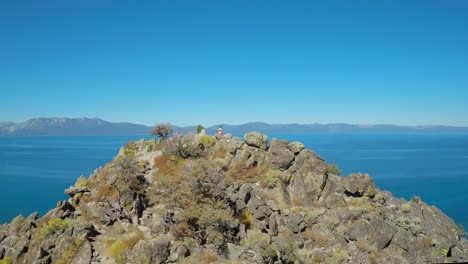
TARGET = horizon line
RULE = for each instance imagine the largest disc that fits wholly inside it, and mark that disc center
(245, 123)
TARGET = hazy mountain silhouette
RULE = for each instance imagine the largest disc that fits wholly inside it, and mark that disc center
(99, 127)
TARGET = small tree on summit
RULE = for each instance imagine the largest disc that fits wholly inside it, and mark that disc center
(199, 129)
(162, 130)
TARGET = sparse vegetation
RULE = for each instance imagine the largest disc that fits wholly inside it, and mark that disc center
(6, 260)
(363, 245)
(55, 225)
(425, 242)
(245, 217)
(272, 178)
(333, 169)
(168, 165)
(120, 248)
(183, 146)
(239, 171)
(406, 207)
(415, 199)
(71, 251)
(338, 256)
(220, 152)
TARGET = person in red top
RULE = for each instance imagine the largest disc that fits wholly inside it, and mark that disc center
(220, 131)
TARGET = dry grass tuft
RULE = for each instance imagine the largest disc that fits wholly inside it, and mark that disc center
(181, 230)
(169, 166)
(107, 192)
(239, 172)
(220, 153)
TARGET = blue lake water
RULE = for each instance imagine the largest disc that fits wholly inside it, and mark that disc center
(34, 171)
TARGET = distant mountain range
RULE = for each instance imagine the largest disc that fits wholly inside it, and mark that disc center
(99, 127)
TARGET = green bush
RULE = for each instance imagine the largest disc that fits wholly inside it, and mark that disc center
(6, 260)
(333, 169)
(415, 199)
(71, 251)
(55, 225)
(273, 178)
(129, 152)
(207, 141)
(118, 250)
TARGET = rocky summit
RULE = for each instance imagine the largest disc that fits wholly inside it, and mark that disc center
(202, 199)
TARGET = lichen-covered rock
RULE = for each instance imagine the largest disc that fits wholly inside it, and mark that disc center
(308, 177)
(76, 190)
(295, 223)
(359, 184)
(84, 255)
(153, 251)
(296, 147)
(256, 140)
(279, 154)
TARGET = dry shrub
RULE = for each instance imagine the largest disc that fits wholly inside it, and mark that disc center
(132, 239)
(318, 258)
(363, 245)
(239, 172)
(297, 201)
(309, 233)
(220, 153)
(107, 192)
(172, 191)
(203, 257)
(245, 217)
(267, 195)
(181, 230)
(103, 174)
(362, 203)
(285, 235)
(168, 166)
(68, 256)
(425, 242)
(320, 240)
(209, 257)
(119, 246)
(375, 257)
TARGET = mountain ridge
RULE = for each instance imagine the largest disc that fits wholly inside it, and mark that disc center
(62, 126)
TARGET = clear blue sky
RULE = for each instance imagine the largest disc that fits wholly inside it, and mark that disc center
(211, 62)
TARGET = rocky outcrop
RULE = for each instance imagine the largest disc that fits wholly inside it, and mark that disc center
(201, 199)
(256, 140)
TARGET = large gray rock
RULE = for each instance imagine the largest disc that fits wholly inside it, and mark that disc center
(359, 185)
(295, 223)
(381, 233)
(296, 147)
(308, 177)
(256, 139)
(249, 157)
(279, 154)
(72, 191)
(178, 252)
(84, 255)
(153, 251)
